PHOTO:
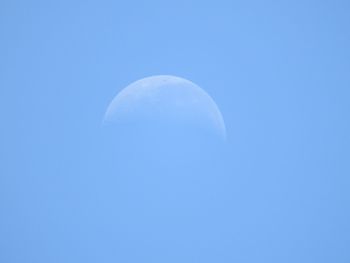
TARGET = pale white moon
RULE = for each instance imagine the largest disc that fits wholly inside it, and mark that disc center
(169, 98)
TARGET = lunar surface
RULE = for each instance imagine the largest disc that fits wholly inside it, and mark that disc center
(167, 100)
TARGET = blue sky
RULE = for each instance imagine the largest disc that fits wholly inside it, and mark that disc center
(277, 191)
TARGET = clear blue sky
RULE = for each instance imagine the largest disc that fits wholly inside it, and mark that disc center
(278, 191)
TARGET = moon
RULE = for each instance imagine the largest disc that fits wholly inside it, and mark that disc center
(169, 100)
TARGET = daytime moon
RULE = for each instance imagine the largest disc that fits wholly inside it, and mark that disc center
(169, 99)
